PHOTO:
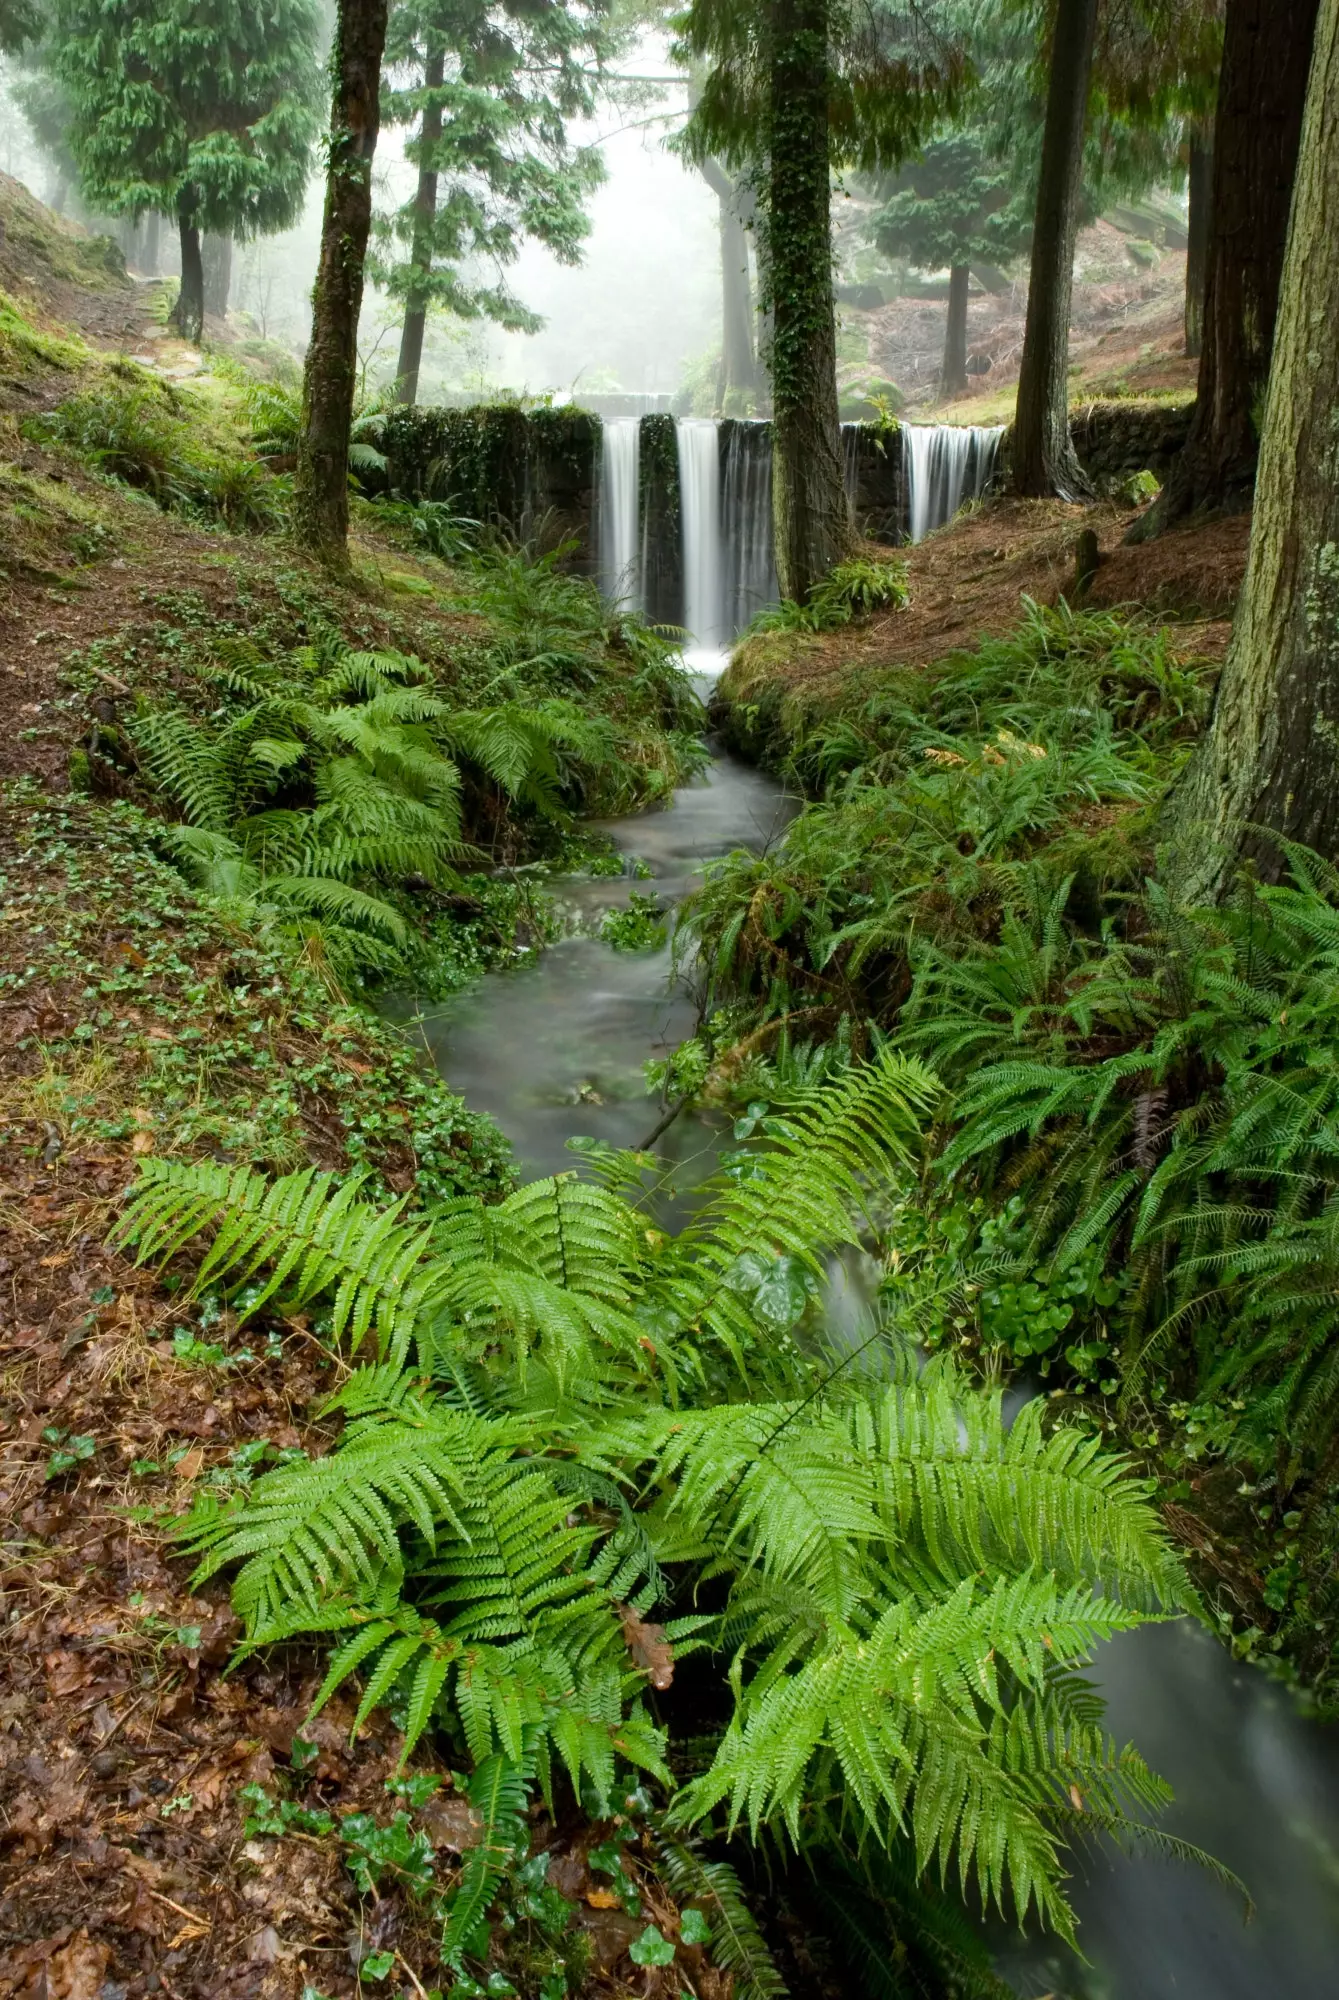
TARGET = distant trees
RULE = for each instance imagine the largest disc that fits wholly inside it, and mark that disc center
(20, 23)
(1268, 764)
(490, 91)
(796, 87)
(953, 207)
(206, 113)
(321, 477)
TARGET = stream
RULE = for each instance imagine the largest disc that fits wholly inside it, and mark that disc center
(555, 1049)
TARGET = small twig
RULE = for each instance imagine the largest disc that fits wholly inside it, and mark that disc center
(400, 1959)
(664, 1125)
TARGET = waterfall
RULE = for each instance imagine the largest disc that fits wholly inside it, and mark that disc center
(700, 506)
(746, 509)
(945, 464)
(618, 502)
(851, 467)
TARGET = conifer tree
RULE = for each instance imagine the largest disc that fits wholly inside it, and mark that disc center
(205, 113)
(490, 90)
(949, 209)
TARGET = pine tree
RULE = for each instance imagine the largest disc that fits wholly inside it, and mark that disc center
(1268, 766)
(20, 23)
(208, 114)
(491, 92)
(952, 208)
(321, 478)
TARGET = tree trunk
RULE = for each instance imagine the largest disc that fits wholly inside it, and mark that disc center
(1270, 756)
(152, 223)
(953, 375)
(1200, 180)
(188, 315)
(420, 258)
(1261, 93)
(739, 366)
(216, 253)
(810, 515)
(1044, 461)
(321, 479)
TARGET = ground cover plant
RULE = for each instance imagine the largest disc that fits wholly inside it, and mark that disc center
(578, 1454)
(1131, 1172)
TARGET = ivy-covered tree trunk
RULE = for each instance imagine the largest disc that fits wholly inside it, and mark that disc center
(420, 256)
(810, 514)
(321, 479)
(1044, 460)
(953, 374)
(1269, 761)
(188, 315)
(1199, 180)
(1261, 94)
(216, 254)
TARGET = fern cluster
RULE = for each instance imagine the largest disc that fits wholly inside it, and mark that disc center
(566, 1424)
(327, 777)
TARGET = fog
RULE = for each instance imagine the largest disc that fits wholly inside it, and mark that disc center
(638, 312)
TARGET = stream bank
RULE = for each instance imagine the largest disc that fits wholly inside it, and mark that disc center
(553, 1052)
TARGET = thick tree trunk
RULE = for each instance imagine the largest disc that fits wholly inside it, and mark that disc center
(188, 315)
(321, 480)
(216, 253)
(1261, 93)
(1044, 460)
(1200, 184)
(420, 256)
(1270, 757)
(739, 365)
(953, 374)
(811, 520)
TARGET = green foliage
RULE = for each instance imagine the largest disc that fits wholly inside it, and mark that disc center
(491, 123)
(596, 1415)
(852, 590)
(157, 440)
(638, 926)
(951, 798)
(213, 117)
(327, 779)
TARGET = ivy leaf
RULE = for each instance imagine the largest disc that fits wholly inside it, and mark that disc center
(651, 1948)
(694, 1928)
(377, 1964)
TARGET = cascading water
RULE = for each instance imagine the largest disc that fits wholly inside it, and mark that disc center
(620, 578)
(945, 464)
(746, 522)
(699, 450)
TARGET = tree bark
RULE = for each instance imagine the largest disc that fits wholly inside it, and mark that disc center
(953, 374)
(1261, 94)
(1200, 181)
(1269, 761)
(420, 256)
(216, 254)
(810, 516)
(321, 478)
(739, 366)
(188, 315)
(1044, 460)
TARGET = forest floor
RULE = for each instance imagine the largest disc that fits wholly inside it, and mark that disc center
(1127, 337)
(127, 1865)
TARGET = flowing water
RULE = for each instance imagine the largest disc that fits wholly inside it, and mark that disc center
(555, 1050)
(699, 441)
(617, 510)
(945, 465)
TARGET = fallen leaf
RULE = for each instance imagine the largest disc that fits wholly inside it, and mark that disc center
(649, 1647)
(77, 1972)
(602, 1899)
(191, 1465)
